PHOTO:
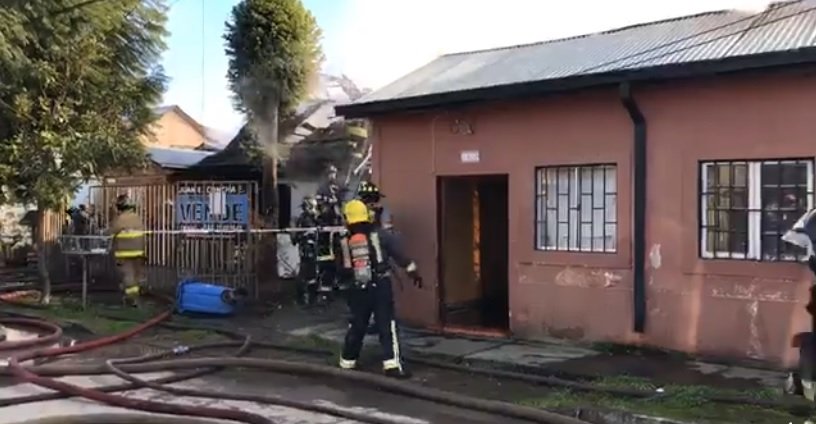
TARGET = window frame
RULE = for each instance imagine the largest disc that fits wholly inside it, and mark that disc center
(575, 170)
(754, 208)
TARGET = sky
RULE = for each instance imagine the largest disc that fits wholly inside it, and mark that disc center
(375, 42)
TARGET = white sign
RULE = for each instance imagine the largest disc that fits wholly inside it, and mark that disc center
(469, 156)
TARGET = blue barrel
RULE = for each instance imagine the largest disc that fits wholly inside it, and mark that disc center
(205, 298)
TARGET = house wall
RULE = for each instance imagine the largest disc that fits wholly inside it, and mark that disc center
(735, 309)
(171, 130)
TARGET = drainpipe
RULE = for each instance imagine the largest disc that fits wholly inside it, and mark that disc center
(639, 222)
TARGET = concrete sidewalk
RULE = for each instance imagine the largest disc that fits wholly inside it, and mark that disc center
(552, 356)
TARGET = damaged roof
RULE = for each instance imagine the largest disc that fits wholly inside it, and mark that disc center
(175, 158)
(721, 41)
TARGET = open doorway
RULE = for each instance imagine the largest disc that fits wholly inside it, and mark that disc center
(473, 241)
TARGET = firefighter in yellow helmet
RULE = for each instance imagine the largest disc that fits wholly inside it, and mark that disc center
(128, 233)
(367, 253)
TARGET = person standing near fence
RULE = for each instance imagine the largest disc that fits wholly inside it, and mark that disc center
(128, 234)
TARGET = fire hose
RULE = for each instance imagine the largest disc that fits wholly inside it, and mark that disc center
(158, 407)
(312, 370)
(31, 375)
(158, 384)
(53, 335)
(795, 406)
(143, 405)
(112, 365)
(114, 419)
(42, 397)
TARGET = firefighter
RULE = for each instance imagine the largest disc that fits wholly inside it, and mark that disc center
(307, 248)
(328, 243)
(801, 381)
(128, 234)
(329, 188)
(367, 252)
(370, 194)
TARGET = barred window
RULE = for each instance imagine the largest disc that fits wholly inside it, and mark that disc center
(746, 206)
(576, 208)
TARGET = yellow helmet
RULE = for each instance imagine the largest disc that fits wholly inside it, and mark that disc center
(356, 212)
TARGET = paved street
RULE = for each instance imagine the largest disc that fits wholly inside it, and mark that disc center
(402, 410)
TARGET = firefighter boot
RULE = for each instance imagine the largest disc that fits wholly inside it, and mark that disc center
(131, 297)
(397, 371)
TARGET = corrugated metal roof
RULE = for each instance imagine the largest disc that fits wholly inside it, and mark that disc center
(784, 26)
(172, 158)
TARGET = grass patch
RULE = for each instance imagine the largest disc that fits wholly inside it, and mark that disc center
(676, 402)
(195, 336)
(630, 350)
(70, 310)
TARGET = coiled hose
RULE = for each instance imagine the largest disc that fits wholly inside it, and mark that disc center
(42, 397)
(53, 333)
(120, 401)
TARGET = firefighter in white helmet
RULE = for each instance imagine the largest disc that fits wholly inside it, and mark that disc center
(367, 252)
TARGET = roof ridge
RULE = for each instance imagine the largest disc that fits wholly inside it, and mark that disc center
(613, 30)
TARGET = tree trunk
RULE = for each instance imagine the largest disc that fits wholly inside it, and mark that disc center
(42, 254)
(269, 134)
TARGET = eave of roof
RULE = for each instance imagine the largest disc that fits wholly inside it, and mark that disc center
(689, 46)
(537, 88)
(175, 158)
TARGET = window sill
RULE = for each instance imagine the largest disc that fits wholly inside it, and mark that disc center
(617, 260)
(750, 268)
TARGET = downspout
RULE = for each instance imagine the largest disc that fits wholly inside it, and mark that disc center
(639, 222)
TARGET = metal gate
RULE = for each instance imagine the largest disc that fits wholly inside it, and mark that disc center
(177, 216)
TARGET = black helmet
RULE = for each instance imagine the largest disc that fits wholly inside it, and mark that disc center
(369, 191)
(123, 203)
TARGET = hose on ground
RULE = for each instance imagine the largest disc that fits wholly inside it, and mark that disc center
(42, 397)
(120, 401)
(115, 418)
(550, 381)
(205, 412)
(53, 333)
(113, 366)
(373, 380)
(795, 405)
(159, 384)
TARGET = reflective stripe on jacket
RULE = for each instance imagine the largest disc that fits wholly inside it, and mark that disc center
(128, 236)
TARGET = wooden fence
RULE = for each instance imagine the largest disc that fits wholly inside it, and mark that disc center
(169, 209)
